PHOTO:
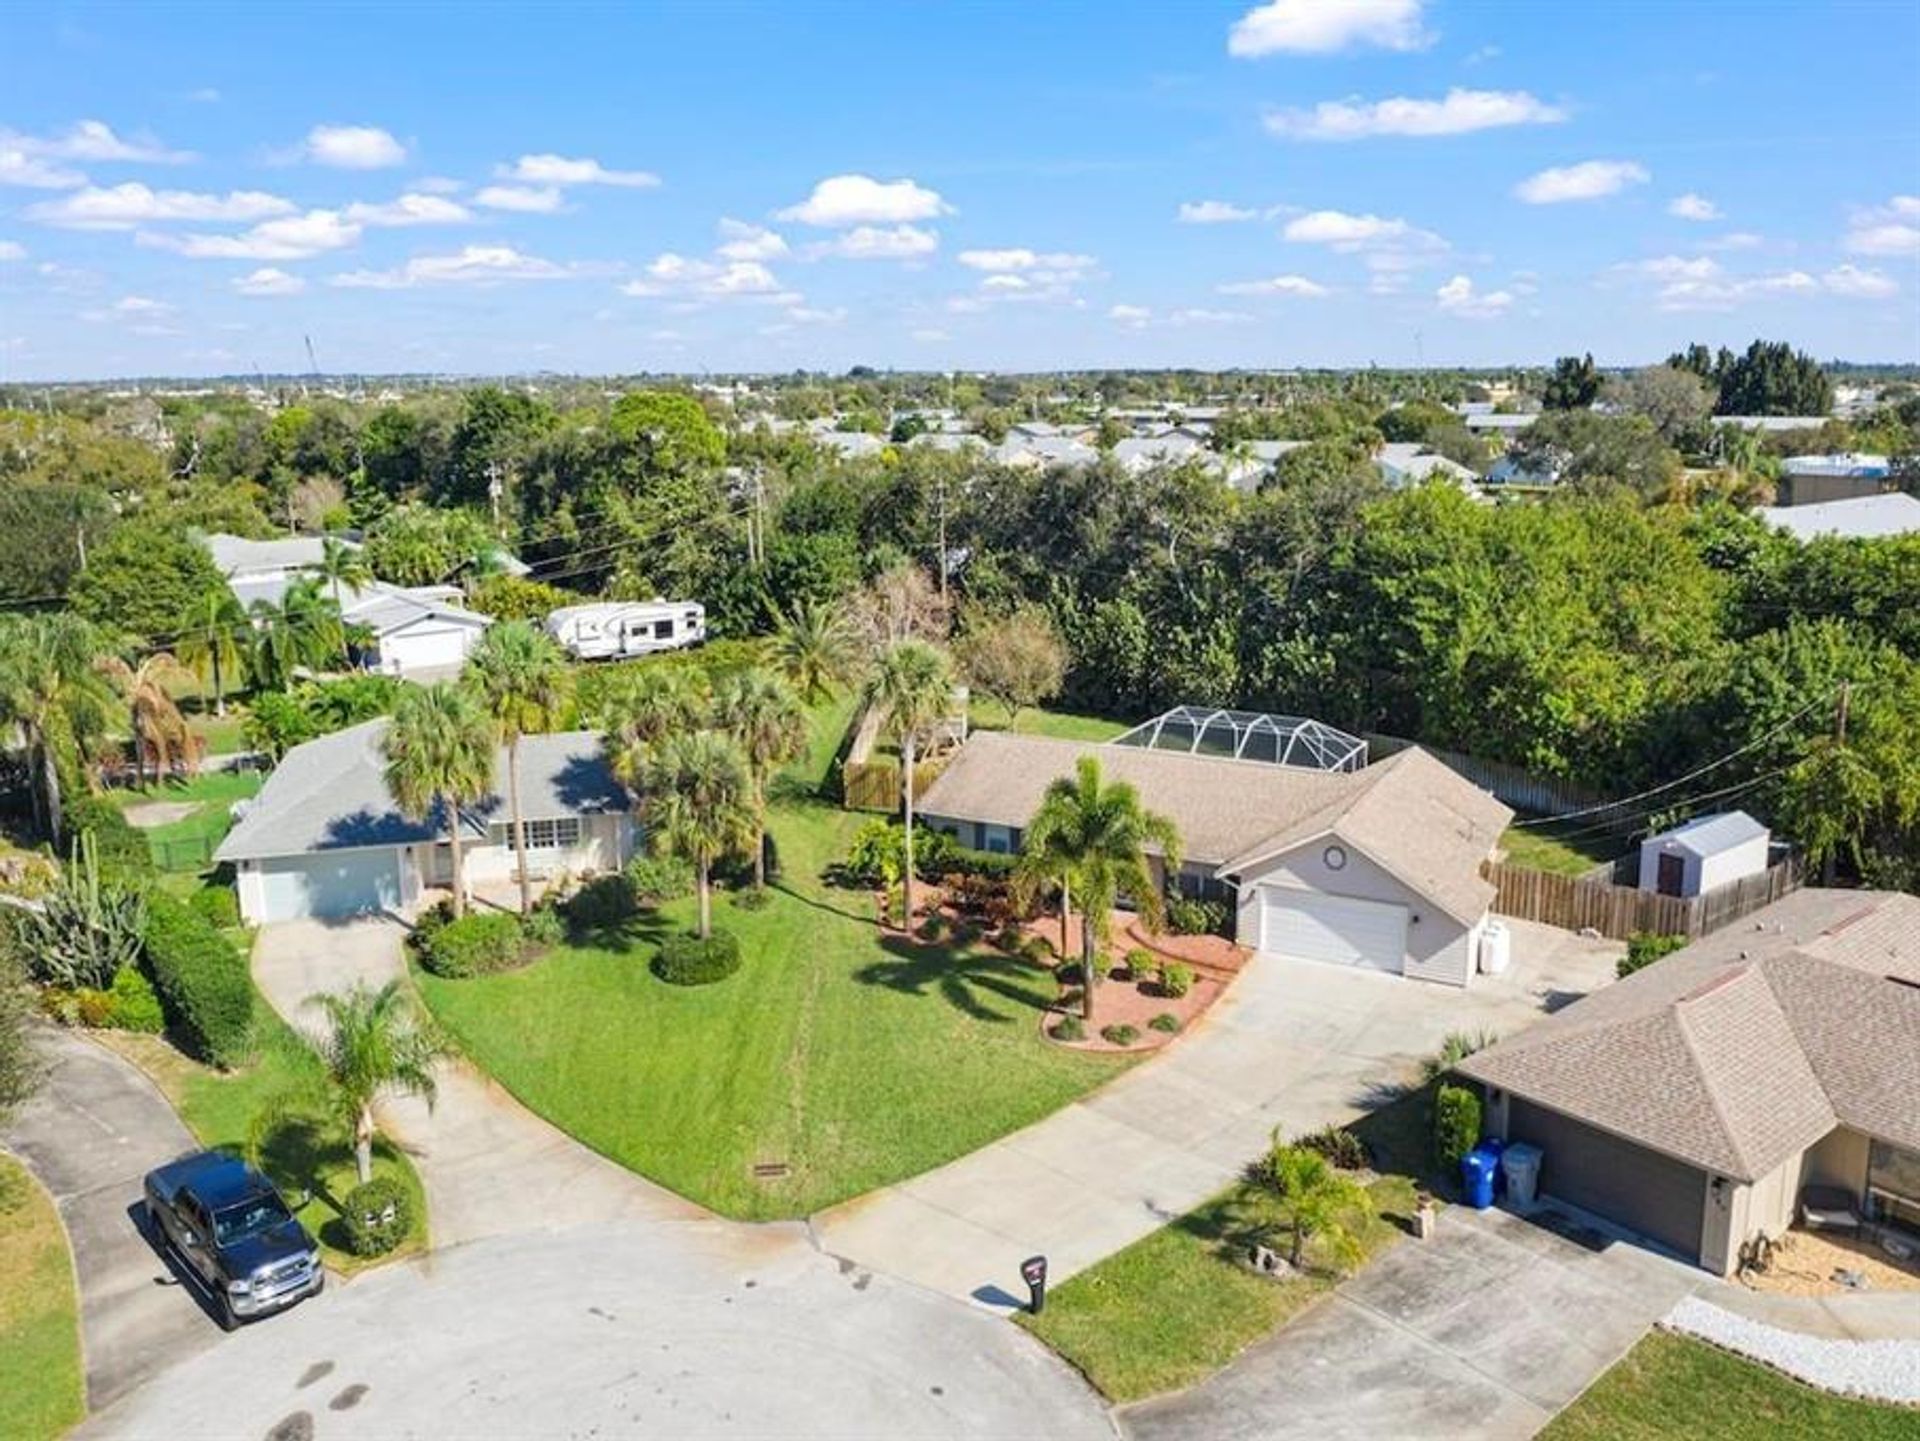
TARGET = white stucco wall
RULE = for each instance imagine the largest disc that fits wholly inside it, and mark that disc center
(605, 845)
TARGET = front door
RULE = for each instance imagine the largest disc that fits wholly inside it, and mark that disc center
(440, 864)
(1672, 877)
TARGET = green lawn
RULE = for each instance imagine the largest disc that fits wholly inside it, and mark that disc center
(187, 845)
(41, 1392)
(849, 1060)
(221, 735)
(1671, 1387)
(1177, 1305)
(1566, 854)
(1062, 725)
(304, 1149)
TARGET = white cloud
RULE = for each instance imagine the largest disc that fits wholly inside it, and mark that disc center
(1589, 180)
(1054, 262)
(1460, 112)
(438, 185)
(1132, 316)
(1294, 286)
(121, 207)
(1858, 284)
(268, 281)
(1891, 229)
(1700, 283)
(560, 170)
(522, 199)
(353, 147)
(1004, 282)
(1196, 315)
(671, 274)
(294, 238)
(741, 241)
(205, 95)
(473, 265)
(862, 200)
(1214, 212)
(94, 140)
(1458, 297)
(409, 209)
(809, 315)
(873, 242)
(130, 308)
(19, 168)
(1321, 27)
(1734, 240)
(12, 250)
(1693, 207)
(928, 334)
(1343, 231)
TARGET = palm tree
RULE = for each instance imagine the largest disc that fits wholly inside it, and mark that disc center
(1318, 1201)
(763, 713)
(645, 707)
(374, 1046)
(699, 804)
(304, 629)
(912, 687)
(521, 679)
(1094, 835)
(439, 749)
(815, 648)
(342, 564)
(53, 688)
(158, 727)
(210, 648)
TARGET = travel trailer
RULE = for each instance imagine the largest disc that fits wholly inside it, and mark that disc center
(617, 630)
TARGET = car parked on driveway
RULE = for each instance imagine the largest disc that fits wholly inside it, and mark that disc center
(233, 1234)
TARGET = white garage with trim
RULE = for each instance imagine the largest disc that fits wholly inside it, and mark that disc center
(327, 886)
(1339, 930)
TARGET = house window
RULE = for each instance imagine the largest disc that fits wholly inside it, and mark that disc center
(543, 835)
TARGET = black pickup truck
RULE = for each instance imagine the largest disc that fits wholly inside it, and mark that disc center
(233, 1234)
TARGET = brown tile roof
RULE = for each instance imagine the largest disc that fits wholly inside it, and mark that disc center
(1417, 819)
(1747, 1046)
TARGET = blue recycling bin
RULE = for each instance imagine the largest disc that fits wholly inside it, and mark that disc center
(1494, 1147)
(1477, 1168)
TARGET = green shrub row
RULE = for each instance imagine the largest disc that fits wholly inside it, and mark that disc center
(217, 905)
(477, 944)
(1189, 916)
(128, 1005)
(202, 982)
(1644, 948)
(122, 849)
(687, 960)
(377, 1216)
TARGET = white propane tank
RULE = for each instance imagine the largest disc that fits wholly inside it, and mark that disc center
(1496, 948)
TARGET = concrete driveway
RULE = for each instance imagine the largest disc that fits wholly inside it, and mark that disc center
(91, 1134)
(1484, 1332)
(1293, 1045)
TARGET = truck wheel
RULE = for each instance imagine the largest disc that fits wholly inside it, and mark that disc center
(224, 1313)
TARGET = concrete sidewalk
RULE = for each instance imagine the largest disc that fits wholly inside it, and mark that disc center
(91, 1134)
(1293, 1045)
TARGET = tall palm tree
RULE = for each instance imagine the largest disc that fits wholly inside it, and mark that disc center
(911, 685)
(210, 647)
(699, 804)
(53, 688)
(439, 749)
(374, 1045)
(644, 708)
(159, 729)
(1095, 835)
(521, 678)
(304, 629)
(814, 647)
(342, 564)
(763, 713)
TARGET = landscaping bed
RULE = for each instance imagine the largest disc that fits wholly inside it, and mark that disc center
(1122, 1001)
(41, 1390)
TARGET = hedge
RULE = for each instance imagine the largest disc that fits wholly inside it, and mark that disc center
(478, 944)
(687, 960)
(377, 1215)
(217, 905)
(202, 981)
(1456, 1124)
(122, 850)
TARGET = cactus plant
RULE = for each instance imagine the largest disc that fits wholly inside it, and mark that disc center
(87, 928)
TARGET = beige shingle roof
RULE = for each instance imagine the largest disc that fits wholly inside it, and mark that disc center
(1410, 814)
(1748, 1046)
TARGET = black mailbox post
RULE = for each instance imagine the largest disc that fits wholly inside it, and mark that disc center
(1033, 1271)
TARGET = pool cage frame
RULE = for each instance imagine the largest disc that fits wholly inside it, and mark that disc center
(1250, 735)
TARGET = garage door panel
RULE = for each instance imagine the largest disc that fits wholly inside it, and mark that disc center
(330, 885)
(1340, 930)
(1627, 1184)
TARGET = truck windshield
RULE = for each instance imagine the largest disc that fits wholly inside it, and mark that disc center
(249, 1218)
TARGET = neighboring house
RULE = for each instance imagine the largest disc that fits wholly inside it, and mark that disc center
(1861, 517)
(850, 444)
(950, 442)
(1405, 463)
(1377, 867)
(1047, 430)
(1815, 479)
(1168, 447)
(1498, 422)
(1509, 472)
(1022, 449)
(1693, 1101)
(1704, 854)
(325, 839)
(1772, 424)
(240, 559)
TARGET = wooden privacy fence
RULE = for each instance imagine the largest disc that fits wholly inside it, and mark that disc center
(1517, 787)
(1577, 903)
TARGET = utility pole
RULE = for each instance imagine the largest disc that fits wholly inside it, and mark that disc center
(495, 489)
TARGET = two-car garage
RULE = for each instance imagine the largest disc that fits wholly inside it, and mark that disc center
(1338, 930)
(326, 885)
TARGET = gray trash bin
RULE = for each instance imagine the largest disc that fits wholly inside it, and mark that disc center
(1521, 1163)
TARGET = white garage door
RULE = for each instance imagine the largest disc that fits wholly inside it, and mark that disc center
(329, 885)
(424, 649)
(1336, 929)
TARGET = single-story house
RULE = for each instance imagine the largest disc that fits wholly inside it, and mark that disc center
(1860, 517)
(1377, 867)
(1404, 463)
(1695, 1100)
(1704, 854)
(324, 838)
(1816, 479)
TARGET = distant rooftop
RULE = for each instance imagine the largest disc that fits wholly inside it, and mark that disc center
(1862, 517)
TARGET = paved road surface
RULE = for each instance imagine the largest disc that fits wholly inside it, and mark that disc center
(94, 1130)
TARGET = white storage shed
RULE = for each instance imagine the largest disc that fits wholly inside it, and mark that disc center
(1704, 854)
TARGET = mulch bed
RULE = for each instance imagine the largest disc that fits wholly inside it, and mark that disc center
(1120, 1000)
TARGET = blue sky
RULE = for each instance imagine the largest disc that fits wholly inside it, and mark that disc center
(191, 190)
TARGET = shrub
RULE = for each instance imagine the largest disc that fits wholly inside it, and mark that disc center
(377, 1215)
(933, 926)
(877, 854)
(1455, 1047)
(1037, 949)
(477, 944)
(87, 928)
(439, 914)
(752, 898)
(132, 1004)
(122, 850)
(543, 927)
(604, 903)
(1190, 916)
(1140, 963)
(1165, 1021)
(1456, 1124)
(659, 879)
(1644, 948)
(1120, 1035)
(1174, 980)
(686, 960)
(1337, 1144)
(217, 905)
(201, 980)
(1069, 1028)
